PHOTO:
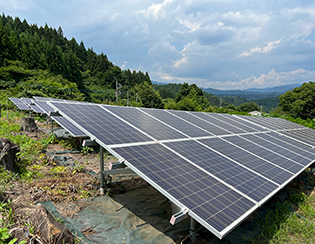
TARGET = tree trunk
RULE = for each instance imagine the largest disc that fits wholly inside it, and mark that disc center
(28, 124)
(8, 154)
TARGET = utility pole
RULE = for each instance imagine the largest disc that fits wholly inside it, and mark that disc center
(151, 103)
(127, 98)
(261, 108)
(118, 86)
(220, 102)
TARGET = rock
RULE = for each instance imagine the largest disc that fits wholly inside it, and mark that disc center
(44, 226)
(28, 124)
(8, 151)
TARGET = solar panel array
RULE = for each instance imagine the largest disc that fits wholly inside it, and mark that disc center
(19, 103)
(285, 128)
(39, 105)
(219, 167)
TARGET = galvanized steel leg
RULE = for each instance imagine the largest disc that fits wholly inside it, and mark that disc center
(192, 232)
(52, 125)
(102, 170)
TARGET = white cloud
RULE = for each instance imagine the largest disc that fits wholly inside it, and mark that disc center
(267, 48)
(271, 79)
(155, 10)
(180, 62)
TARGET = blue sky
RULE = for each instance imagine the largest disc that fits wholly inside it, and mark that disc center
(222, 44)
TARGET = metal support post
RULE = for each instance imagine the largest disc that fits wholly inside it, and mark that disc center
(102, 170)
(192, 232)
(52, 125)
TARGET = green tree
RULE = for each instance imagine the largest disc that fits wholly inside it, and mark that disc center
(300, 102)
(148, 96)
(192, 97)
(248, 107)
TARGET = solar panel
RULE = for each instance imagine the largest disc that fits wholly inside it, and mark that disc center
(188, 128)
(41, 98)
(68, 126)
(220, 179)
(220, 123)
(271, 123)
(248, 159)
(210, 201)
(27, 101)
(95, 121)
(43, 106)
(289, 144)
(244, 125)
(247, 181)
(36, 109)
(306, 136)
(260, 150)
(212, 128)
(19, 103)
(145, 123)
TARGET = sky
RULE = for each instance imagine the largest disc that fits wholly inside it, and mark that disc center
(222, 44)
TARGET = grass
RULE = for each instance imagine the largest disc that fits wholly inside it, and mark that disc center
(284, 225)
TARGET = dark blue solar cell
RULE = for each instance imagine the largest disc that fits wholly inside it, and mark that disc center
(306, 136)
(289, 144)
(233, 120)
(179, 124)
(19, 103)
(214, 129)
(217, 122)
(280, 148)
(249, 160)
(192, 188)
(36, 109)
(222, 167)
(44, 106)
(100, 123)
(68, 126)
(269, 155)
(146, 123)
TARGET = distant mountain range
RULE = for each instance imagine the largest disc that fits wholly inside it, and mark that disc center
(276, 90)
(249, 94)
(253, 93)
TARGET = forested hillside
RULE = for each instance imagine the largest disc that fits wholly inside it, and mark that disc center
(40, 57)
